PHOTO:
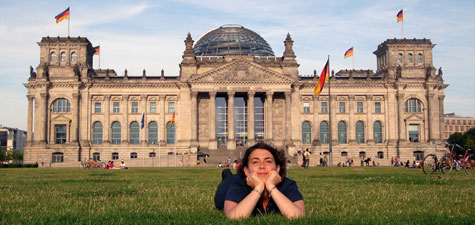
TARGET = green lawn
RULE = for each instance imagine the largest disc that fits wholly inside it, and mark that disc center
(185, 196)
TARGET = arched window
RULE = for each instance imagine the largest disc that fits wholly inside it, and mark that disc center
(344, 154)
(306, 132)
(96, 156)
(57, 157)
(133, 155)
(399, 58)
(359, 132)
(63, 56)
(152, 132)
(413, 105)
(324, 132)
(52, 57)
(134, 132)
(97, 133)
(74, 57)
(409, 58)
(378, 132)
(170, 133)
(116, 133)
(419, 57)
(341, 132)
(380, 155)
(152, 154)
(61, 105)
(362, 155)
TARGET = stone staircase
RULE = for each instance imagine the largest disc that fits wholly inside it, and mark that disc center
(221, 155)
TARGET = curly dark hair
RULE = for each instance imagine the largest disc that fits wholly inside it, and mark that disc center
(279, 157)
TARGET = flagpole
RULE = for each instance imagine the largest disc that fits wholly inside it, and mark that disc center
(402, 29)
(143, 138)
(99, 57)
(330, 114)
(353, 58)
(159, 157)
(69, 18)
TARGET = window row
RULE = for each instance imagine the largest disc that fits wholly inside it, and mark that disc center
(134, 133)
(96, 156)
(63, 57)
(342, 132)
(134, 107)
(341, 107)
(464, 122)
(410, 58)
(362, 154)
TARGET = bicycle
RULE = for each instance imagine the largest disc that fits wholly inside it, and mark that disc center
(430, 164)
(452, 159)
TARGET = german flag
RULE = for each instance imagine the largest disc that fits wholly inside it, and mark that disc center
(324, 76)
(349, 52)
(64, 15)
(399, 16)
(97, 50)
(172, 121)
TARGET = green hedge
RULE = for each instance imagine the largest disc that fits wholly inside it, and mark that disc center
(19, 166)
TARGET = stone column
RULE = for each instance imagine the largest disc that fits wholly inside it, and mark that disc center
(42, 118)
(29, 134)
(401, 126)
(369, 119)
(269, 117)
(351, 131)
(316, 124)
(143, 133)
(194, 121)
(434, 118)
(162, 126)
(107, 123)
(441, 118)
(333, 124)
(75, 121)
(288, 129)
(231, 143)
(250, 118)
(125, 119)
(212, 121)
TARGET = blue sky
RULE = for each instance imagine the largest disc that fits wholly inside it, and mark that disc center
(137, 35)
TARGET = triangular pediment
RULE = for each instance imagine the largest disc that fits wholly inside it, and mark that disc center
(241, 71)
(61, 118)
(415, 117)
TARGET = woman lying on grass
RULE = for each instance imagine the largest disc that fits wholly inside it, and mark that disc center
(261, 187)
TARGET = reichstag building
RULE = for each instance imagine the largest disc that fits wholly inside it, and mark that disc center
(231, 92)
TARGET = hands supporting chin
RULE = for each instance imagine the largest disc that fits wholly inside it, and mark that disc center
(259, 185)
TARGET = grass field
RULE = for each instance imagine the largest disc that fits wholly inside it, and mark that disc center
(185, 196)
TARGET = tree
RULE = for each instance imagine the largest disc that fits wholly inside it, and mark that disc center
(466, 140)
(456, 138)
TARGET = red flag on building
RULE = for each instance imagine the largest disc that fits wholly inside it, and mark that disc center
(172, 121)
(97, 50)
(400, 16)
(349, 52)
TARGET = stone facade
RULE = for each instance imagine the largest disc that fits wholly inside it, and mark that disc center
(77, 112)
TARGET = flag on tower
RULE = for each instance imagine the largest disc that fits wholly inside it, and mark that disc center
(64, 15)
(324, 76)
(399, 16)
(349, 52)
(97, 50)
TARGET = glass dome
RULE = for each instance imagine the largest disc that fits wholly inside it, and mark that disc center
(232, 40)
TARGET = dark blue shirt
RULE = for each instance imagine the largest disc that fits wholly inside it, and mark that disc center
(236, 189)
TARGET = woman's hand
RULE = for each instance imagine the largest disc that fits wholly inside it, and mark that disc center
(273, 180)
(255, 182)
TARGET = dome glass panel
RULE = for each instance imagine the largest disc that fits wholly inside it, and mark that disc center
(232, 40)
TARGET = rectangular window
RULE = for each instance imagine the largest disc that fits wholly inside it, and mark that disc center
(377, 107)
(447, 122)
(464, 122)
(60, 134)
(469, 122)
(306, 107)
(153, 107)
(342, 107)
(97, 107)
(458, 122)
(57, 157)
(324, 107)
(171, 107)
(380, 155)
(453, 122)
(135, 107)
(359, 107)
(456, 129)
(413, 132)
(115, 155)
(451, 128)
(116, 107)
